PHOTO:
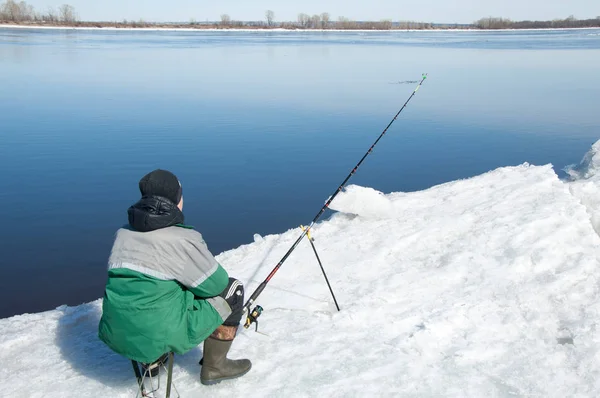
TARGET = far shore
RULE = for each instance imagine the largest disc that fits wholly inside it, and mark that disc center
(181, 28)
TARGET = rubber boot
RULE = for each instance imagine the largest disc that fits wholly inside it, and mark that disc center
(216, 367)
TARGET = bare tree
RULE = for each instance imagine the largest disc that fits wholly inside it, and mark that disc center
(27, 11)
(385, 24)
(11, 11)
(346, 23)
(225, 20)
(66, 13)
(303, 20)
(16, 12)
(270, 16)
(7, 10)
(50, 15)
(315, 21)
(325, 20)
(493, 23)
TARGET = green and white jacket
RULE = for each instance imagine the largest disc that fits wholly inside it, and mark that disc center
(162, 290)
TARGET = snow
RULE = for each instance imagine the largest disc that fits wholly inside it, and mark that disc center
(258, 30)
(482, 287)
(585, 183)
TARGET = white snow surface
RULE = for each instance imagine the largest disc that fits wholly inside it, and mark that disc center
(482, 287)
(200, 29)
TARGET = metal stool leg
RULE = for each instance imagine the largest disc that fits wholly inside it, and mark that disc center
(170, 374)
(138, 376)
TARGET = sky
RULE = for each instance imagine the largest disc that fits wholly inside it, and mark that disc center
(482, 287)
(457, 11)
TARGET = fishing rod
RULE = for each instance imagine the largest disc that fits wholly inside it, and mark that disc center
(252, 316)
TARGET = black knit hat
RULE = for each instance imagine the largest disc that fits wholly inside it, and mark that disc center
(161, 183)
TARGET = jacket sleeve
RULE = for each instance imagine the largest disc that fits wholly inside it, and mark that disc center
(213, 285)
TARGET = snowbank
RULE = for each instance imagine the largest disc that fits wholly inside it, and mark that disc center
(483, 287)
(201, 29)
(585, 183)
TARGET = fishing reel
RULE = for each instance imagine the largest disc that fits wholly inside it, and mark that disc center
(253, 317)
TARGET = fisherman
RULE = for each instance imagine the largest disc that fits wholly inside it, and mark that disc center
(165, 291)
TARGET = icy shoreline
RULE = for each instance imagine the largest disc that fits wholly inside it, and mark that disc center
(197, 29)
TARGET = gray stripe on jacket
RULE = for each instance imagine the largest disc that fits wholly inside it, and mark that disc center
(171, 253)
(221, 306)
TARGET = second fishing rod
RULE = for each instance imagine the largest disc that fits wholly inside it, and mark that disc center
(252, 316)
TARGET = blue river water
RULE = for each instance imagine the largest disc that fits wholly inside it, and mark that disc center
(261, 128)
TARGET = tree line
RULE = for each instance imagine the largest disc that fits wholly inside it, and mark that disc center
(505, 23)
(11, 11)
(322, 21)
(21, 12)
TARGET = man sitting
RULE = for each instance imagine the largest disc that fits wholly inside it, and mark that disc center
(165, 291)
